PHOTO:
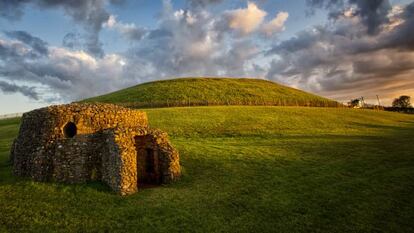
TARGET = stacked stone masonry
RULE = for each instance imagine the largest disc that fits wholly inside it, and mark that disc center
(77, 143)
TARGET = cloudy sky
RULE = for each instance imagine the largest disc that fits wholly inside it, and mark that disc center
(56, 51)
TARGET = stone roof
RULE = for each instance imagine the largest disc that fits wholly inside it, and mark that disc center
(75, 143)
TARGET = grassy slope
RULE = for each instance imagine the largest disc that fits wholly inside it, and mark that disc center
(246, 169)
(212, 91)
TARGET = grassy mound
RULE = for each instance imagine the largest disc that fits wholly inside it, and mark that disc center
(246, 169)
(212, 91)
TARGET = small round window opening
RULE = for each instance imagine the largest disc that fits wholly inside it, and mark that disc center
(70, 130)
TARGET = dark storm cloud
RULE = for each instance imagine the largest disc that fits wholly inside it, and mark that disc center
(12, 88)
(36, 43)
(373, 13)
(402, 36)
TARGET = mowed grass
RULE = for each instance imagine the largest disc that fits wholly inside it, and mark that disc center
(245, 169)
(212, 91)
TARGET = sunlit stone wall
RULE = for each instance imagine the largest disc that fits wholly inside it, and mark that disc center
(77, 143)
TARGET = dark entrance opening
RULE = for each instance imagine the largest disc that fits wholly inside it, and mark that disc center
(149, 161)
(148, 170)
(70, 130)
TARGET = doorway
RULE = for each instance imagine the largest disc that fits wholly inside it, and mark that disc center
(148, 171)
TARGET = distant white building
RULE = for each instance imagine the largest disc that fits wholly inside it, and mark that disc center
(356, 103)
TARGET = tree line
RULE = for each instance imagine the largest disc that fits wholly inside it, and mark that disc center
(403, 101)
(400, 104)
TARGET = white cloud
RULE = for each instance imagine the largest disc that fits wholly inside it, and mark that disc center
(343, 60)
(128, 30)
(66, 56)
(276, 25)
(61, 74)
(111, 22)
(246, 20)
(184, 43)
(336, 59)
(395, 18)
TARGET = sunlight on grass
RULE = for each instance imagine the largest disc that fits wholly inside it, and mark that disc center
(212, 91)
(245, 169)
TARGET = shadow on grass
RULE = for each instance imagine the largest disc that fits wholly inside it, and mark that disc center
(288, 183)
(389, 128)
(345, 183)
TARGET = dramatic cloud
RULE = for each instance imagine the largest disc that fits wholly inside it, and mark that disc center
(12, 88)
(184, 43)
(71, 74)
(400, 34)
(11, 51)
(90, 14)
(343, 59)
(196, 43)
(36, 43)
(366, 48)
(373, 13)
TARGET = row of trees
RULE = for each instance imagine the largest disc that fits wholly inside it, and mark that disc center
(403, 101)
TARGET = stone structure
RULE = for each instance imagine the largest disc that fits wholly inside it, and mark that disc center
(77, 143)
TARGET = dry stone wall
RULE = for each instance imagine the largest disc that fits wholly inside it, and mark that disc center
(168, 155)
(76, 143)
(123, 141)
(78, 160)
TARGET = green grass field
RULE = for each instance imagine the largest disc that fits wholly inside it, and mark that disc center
(245, 169)
(212, 91)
